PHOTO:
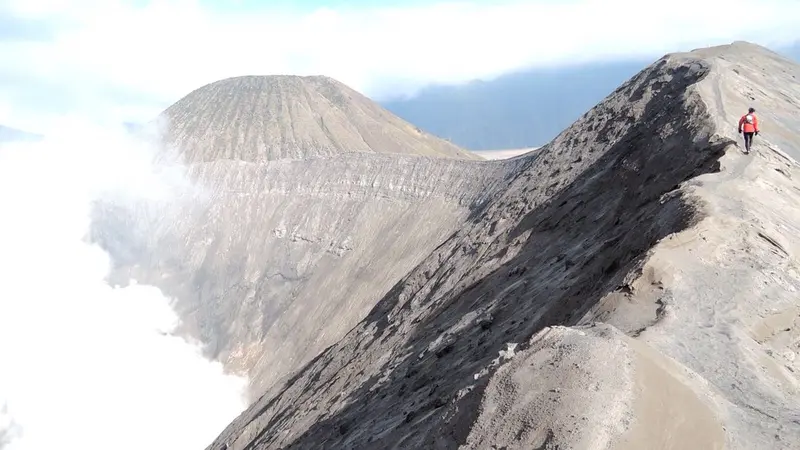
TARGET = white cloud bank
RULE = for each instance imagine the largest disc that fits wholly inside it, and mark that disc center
(84, 365)
(156, 53)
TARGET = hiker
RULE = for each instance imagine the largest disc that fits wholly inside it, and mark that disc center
(748, 123)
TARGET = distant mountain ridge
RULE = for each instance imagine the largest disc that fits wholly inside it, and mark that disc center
(517, 110)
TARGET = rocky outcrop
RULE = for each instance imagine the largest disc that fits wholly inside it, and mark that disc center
(643, 215)
(265, 118)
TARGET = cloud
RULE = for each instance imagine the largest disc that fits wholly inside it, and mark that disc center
(85, 364)
(162, 49)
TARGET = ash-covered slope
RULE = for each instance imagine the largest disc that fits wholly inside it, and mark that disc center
(278, 117)
(277, 261)
(272, 261)
(642, 214)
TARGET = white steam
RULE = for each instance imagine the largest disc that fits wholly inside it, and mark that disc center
(83, 364)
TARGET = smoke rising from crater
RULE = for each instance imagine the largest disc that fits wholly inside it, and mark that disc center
(84, 364)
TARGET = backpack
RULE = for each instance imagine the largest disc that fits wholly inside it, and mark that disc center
(748, 118)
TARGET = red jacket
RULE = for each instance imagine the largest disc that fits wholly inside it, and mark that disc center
(748, 127)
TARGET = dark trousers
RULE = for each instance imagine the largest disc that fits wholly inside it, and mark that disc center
(748, 140)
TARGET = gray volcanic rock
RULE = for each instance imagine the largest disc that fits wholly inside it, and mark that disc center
(644, 215)
(264, 118)
(271, 261)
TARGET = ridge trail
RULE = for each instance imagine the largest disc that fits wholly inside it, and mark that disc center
(623, 290)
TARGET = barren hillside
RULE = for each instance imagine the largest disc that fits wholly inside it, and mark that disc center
(633, 286)
(264, 118)
(274, 259)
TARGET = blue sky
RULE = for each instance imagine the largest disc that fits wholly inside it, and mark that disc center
(128, 59)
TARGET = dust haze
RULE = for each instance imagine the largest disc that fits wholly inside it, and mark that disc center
(86, 364)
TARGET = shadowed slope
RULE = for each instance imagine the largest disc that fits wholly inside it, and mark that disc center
(577, 227)
(262, 118)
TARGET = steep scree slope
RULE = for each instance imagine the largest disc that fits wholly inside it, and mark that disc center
(277, 261)
(263, 118)
(272, 261)
(642, 214)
